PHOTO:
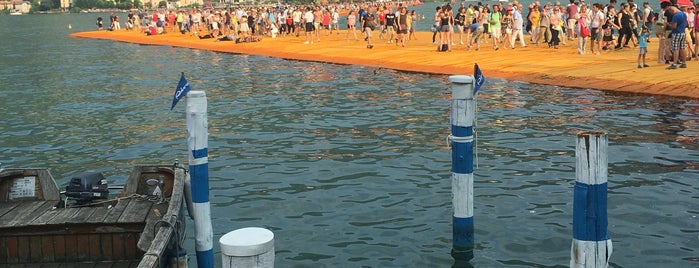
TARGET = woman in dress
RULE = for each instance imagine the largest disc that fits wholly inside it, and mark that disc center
(507, 24)
(351, 24)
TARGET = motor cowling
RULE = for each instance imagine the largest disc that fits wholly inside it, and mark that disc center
(87, 187)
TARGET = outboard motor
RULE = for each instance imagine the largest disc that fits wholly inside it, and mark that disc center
(86, 187)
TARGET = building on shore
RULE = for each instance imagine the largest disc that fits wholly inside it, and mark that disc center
(16, 6)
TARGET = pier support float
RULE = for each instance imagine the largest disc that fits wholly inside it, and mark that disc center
(250, 247)
(591, 246)
(463, 111)
(197, 141)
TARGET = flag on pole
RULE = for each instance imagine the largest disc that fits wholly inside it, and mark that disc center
(182, 89)
(480, 79)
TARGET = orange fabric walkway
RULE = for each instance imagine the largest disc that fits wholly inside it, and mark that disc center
(612, 71)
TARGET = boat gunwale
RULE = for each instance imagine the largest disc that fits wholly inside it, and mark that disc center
(153, 256)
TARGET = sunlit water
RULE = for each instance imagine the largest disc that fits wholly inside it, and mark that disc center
(348, 165)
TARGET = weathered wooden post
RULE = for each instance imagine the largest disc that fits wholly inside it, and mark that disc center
(463, 109)
(197, 140)
(592, 246)
(250, 247)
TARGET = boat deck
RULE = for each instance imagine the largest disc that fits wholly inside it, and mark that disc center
(104, 264)
(34, 231)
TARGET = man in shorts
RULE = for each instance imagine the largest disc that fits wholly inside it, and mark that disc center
(679, 38)
(598, 20)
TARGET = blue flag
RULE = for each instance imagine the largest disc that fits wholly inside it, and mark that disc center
(182, 89)
(480, 79)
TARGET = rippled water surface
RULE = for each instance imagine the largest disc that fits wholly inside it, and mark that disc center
(348, 165)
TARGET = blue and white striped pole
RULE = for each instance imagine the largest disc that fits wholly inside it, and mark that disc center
(463, 110)
(592, 246)
(197, 141)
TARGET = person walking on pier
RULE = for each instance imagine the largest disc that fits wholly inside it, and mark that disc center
(596, 34)
(545, 26)
(556, 29)
(413, 19)
(308, 22)
(351, 26)
(402, 23)
(679, 42)
(436, 23)
(518, 28)
(623, 20)
(494, 20)
(368, 24)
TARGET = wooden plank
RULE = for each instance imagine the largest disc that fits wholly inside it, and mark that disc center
(98, 215)
(156, 213)
(123, 264)
(71, 247)
(104, 264)
(46, 217)
(130, 251)
(131, 186)
(163, 235)
(47, 248)
(3, 249)
(23, 249)
(7, 207)
(136, 211)
(118, 247)
(59, 248)
(95, 247)
(116, 211)
(29, 216)
(83, 253)
(106, 246)
(35, 248)
(18, 211)
(82, 215)
(135, 264)
(12, 243)
(64, 215)
(49, 187)
(83, 265)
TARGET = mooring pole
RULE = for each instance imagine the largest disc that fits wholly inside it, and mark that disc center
(463, 109)
(592, 246)
(197, 141)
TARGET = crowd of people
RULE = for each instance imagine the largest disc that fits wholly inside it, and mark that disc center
(591, 28)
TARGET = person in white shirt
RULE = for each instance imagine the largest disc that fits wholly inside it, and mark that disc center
(308, 19)
(334, 21)
(596, 22)
(518, 31)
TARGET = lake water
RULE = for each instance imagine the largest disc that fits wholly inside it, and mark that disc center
(348, 165)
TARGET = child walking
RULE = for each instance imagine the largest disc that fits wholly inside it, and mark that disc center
(642, 47)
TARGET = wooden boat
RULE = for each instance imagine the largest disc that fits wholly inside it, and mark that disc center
(141, 227)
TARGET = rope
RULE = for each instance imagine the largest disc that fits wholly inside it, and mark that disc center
(155, 199)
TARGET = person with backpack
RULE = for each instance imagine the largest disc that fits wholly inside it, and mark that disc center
(648, 17)
(494, 22)
(368, 25)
